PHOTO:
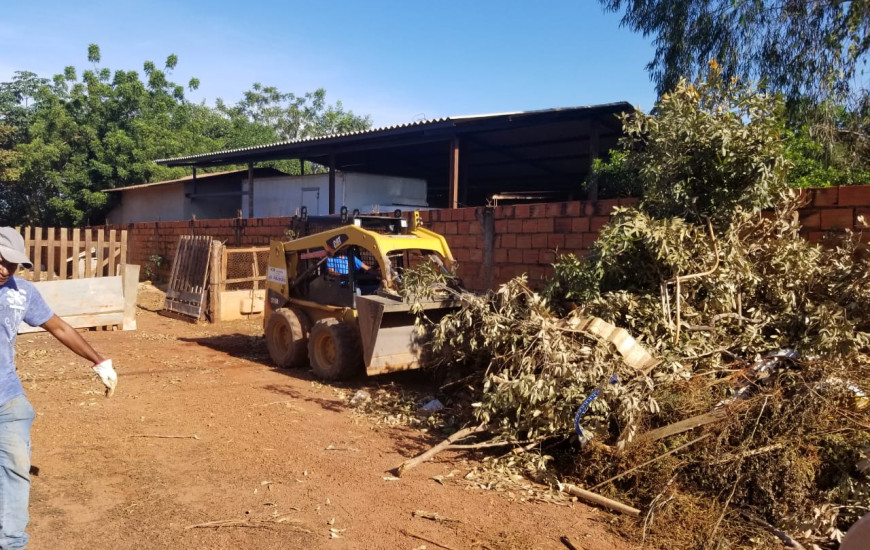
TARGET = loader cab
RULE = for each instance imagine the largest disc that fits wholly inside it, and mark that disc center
(337, 278)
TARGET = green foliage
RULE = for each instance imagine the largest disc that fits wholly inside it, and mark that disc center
(707, 149)
(804, 49)
(64, 140)
(815, 165)
(613, 177)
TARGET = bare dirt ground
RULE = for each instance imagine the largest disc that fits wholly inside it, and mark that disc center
(203, 430)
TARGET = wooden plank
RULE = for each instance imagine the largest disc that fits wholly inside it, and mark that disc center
(63, 269)
(83, 302)
(130, 277)
(72, 297)
(113, 265)
(51, 246)
(36, 258)
(123, 249)
(247, 250)
(214, 282)
(82, 321)
(453, 175)
(101, 253)
(28, 274)
(89, 271)
(76, 248)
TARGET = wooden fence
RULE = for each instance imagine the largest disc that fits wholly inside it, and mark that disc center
(63, 253)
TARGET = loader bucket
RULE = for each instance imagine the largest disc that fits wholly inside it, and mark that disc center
(390, 340)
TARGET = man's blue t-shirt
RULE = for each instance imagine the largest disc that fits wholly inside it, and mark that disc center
(339, 264)
(19, 301)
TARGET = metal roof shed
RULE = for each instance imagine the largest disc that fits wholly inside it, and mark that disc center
(466, 160)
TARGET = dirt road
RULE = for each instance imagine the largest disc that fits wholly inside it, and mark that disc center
(202, 430)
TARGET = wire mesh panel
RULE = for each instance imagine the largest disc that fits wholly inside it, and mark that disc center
(246, 268)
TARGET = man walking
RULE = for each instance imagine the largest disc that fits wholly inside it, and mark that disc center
(20, 301)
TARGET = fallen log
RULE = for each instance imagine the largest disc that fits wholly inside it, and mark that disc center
(595, 498)
(417, 460)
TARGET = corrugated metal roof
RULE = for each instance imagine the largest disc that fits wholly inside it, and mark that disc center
(199, 178)
(438, 122)
(309, 139)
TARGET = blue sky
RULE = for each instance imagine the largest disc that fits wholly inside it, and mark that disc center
(397, 61)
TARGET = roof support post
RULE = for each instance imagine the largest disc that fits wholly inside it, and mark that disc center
(332, 208)
(250, 189)
(453, 179)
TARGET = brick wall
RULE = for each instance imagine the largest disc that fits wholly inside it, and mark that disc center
(145, 240)
(836, 208)
(492, 245)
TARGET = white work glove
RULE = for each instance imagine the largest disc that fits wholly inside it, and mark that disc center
(108, 376)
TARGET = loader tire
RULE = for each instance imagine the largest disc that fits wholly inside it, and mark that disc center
(335, 349)
(287, 337)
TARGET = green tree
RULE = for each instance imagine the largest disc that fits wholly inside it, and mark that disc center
(707, 149)
(804, 48)
(295, 117)
(79, 136)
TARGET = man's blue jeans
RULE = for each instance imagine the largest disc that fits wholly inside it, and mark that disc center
(16, 417)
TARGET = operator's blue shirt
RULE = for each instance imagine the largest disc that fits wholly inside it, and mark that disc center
(339, 264)
(19, 301)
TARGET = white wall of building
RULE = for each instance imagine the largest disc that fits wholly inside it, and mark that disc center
(159, 203)
(285, 196)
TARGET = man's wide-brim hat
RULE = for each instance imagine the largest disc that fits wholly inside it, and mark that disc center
(12, 247)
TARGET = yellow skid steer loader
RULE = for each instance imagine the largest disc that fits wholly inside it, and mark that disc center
(331, 299)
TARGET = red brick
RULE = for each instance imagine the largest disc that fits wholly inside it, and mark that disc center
(556, 240)
(522, 211)
(597, 222)
(504, 212)
(530, 256)
(509, 240)
(555, 209)
(588, 209)
(545, 225)
(524, 241)
(500, 255)
(515, 226)
(475, 255)
(605, 207)
(515, 255)
(837, 218)
(580, 225)
(573, 208)
(546, 256)
(827, 196)
(469, 214)
(530, 225)
(461, 254)
(539, 240)
(855, 195)
(810, 219)
(501, 226)
(562, 225)
(451, 228)
(475, 228)
(537, 210)
(574, 240)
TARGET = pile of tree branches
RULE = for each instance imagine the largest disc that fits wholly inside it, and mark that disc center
(740, 412)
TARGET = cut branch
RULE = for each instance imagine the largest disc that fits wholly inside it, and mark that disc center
(458, 436)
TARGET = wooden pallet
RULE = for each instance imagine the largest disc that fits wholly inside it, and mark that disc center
(185, 296)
